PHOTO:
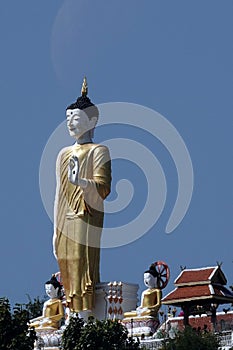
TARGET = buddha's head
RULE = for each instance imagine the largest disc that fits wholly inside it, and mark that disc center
(82, 115)
(53, 288)
(150, 278)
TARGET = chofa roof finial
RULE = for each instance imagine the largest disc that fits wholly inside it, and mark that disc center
(84, 90)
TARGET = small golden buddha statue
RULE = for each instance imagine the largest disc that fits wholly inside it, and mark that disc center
(53, 310)
(150, 298)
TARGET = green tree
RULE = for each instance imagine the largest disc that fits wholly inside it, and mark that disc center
(192, 340)
(5, 323)
(14, 330)
(96, 335)
(72, 333)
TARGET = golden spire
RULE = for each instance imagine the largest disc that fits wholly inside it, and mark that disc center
(84, 90)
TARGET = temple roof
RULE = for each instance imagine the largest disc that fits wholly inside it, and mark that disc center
(204, 285)
(201, 276)
(202, 294)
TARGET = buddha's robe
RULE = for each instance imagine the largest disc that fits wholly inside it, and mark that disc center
(150, 304)
(79, 220)
(53, 311)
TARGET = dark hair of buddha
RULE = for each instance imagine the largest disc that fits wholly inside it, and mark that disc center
(85, 104)
(54, 282)
(152, 271)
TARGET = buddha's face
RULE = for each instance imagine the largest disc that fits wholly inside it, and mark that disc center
(78, 122)
(51, 291)
(149, 280)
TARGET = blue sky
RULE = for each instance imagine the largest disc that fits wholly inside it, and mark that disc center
(175, 57)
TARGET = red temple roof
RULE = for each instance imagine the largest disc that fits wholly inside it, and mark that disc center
(201, 276)
(198, 293)
(202, 285)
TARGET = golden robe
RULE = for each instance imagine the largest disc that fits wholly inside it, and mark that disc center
(53, 310)
(151, 302)
(79, 220)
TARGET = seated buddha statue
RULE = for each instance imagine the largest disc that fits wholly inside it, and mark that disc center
(53, 310)
(150, 298)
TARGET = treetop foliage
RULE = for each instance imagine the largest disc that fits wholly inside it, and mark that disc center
(14, 330)
(96, 335)
(190, 339)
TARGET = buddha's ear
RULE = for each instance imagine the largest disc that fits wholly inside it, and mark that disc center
(156, 282)
(93, 121)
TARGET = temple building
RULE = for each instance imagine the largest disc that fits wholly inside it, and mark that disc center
(200, 291)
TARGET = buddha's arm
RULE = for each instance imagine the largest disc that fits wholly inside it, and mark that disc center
(99, 186)
(158, 299)
(142, 298)
(42, 316)
(36, 319)
(101, 172)
(59, 315)
(56, 202)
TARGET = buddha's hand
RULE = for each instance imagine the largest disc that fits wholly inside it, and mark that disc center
(140, 310)
(55, 244)
(73, 170)
(44, 321)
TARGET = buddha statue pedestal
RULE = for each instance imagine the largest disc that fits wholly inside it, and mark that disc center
(48, 339)
(141, 325)
(112, 299)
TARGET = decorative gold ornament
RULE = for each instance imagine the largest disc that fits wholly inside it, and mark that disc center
(84, 90)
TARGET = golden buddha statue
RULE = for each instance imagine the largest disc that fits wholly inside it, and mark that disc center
(83, 173)
(53, 310)
(150, 298)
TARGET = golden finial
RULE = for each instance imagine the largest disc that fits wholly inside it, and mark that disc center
(84, 89)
